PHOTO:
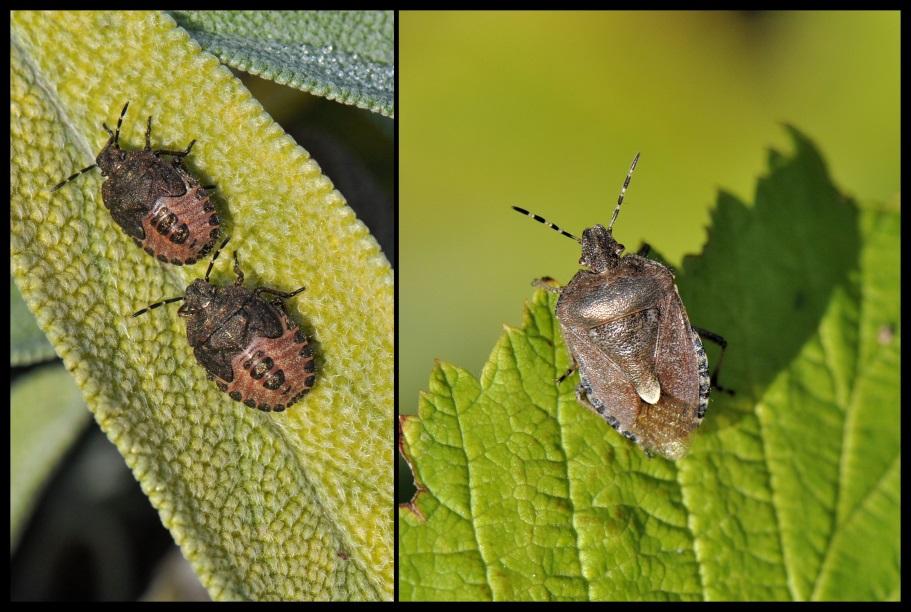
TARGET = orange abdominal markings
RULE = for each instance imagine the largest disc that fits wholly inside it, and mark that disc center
(289, 372)
(177, 225)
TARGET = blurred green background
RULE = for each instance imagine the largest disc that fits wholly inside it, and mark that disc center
(546, 110)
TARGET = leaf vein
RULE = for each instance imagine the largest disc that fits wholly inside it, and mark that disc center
(474, 530)
(569, 481)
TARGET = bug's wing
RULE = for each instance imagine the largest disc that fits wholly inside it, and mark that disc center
(125, 208)
(630, 344)
(215, 361)
(665, 427)
(662, 428)
(675, 358)
(633, 343)
(604, 387)
(132, 192)
(616, 313)
(264, 318)
(217, 351)
(221, 331)
(159, 178)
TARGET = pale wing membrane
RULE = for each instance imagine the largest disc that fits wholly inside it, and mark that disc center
(630, 342)
(603, 381)
(666, 426)
(620, 319)
(674, 359)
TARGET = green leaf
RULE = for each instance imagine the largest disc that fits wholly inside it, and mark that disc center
(791, 487)
(346, 56)
(27, 344)
(294, 505)
(46, 415)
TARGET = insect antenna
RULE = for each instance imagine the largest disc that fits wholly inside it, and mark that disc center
(119, 121)
(71, 177)
(215, 256)
(112, 139)
(156, 305)
(623, 192)
(115, 136)
(545, 222)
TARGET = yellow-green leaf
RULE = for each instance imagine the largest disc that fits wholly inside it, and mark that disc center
(290, 506)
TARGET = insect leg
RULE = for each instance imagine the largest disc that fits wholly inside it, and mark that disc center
(720, 341)
(644, 250)
(183, 153)
(569, 372)
(149, 134)
(582, 398)
(548, 284)
(237, 271)
(283, 295)
(215, 256)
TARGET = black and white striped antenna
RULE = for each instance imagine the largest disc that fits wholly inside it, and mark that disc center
(623, 192)
(540, 219)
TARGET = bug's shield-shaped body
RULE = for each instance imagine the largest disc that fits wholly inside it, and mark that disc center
(642, 367)
(160, 205)
(252, 349)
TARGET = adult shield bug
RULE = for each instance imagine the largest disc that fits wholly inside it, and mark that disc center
(160, 205)
(641, 364)
(247, 344)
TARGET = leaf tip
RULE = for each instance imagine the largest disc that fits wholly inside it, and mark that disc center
(412, 508)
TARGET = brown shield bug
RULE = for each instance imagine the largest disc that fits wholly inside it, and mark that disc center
(247, 344)
(641, 364)
(160, 205)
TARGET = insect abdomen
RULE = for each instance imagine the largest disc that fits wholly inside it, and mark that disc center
(181, 229)
(271, 374)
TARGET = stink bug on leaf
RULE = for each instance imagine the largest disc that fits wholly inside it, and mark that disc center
(641, 364)
(248, 345)
(160, 205)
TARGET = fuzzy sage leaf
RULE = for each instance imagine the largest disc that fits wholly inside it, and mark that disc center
(341, 55)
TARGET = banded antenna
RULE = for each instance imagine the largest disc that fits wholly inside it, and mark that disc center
(114, 137)
(556, 228)
(540, 219)
(177, 299)
(623, 191)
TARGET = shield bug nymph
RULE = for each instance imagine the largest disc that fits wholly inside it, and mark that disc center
(641, 364)
(247, 344)
(160, 205)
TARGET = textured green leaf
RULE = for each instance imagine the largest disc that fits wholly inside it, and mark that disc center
(27, 344)
(46, 415)
(790, 489)
(295, 505)
(346, 56)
